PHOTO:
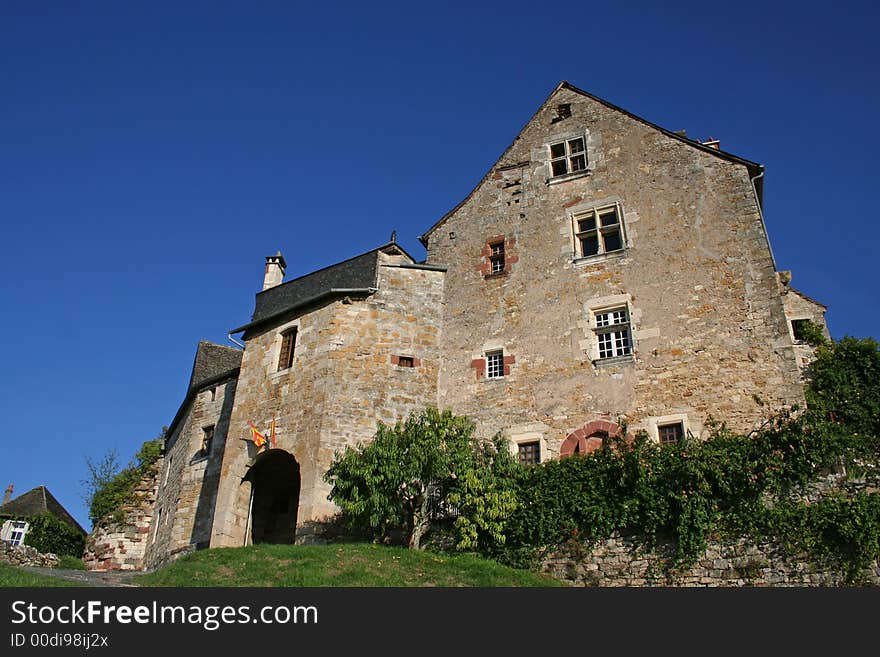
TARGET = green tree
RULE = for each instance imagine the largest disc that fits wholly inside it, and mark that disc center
(409, 471)
(844, 384)
(47, 533)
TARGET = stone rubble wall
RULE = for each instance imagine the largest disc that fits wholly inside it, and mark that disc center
(113, 545)
(618, 561)
(26, 555)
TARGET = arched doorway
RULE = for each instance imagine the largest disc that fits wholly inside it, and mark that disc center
(275, 483)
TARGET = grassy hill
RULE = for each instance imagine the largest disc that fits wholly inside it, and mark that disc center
(336, 565)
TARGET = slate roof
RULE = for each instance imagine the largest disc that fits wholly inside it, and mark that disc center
(358, 273)
(36, 501)
(212, 361)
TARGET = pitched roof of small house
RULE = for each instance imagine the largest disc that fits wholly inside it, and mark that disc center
(357, 274)
(809, 299)
(212, 361)
(753, 167)
(36, 501)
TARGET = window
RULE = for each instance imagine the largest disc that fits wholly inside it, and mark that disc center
(671, 433)
(496, 258)
(207, 439)
(288, 345)
(568, 156)
(799, 328)
(405, 361)
(17, 530)
(495, 365)
(529, 453)
(613, 333)
(598, 231)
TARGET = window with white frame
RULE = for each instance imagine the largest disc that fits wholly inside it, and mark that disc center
(568, 156)
(495, 364)
(598, 231)
(17, 530)
(613, 334)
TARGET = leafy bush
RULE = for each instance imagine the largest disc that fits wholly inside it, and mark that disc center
(108, 498)
(47, 533)
(419, 469)
(728, 485)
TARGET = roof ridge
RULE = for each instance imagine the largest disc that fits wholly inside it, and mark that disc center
(565, 84)
(330, 266)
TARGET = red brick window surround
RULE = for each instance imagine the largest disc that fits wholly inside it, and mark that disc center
(497, 255)
(494, 364)
(406, 361)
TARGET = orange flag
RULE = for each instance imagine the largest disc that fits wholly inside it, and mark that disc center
(258, 438)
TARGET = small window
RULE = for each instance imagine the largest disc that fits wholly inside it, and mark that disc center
(613, 333)
(598, 231)
(496, 258)
(799, 329)
(288, 345)
(671, 433)
(406, 361)
(17, 532)
(213, 394)
(529, 453)
(568, 156)
(495, 365)
(207, 439)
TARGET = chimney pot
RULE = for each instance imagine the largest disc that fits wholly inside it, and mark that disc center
(275, 266)
(8, 494)
(713, 143)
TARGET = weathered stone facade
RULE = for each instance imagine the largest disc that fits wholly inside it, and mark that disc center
(605, 273)
(344, 379)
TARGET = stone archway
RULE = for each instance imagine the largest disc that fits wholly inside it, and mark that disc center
(588, 438)
(275, 488)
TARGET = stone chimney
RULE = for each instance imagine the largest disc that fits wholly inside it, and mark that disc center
(8, 494)
(275, 266)
(712, 143)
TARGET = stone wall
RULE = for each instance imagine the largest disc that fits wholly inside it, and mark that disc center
(346, 376)
(26, 555)
(618, 561)
(188, 482)
(798, 306)
(697, 277)
(121, 544)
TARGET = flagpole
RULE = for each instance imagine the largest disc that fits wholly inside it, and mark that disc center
(247, 526)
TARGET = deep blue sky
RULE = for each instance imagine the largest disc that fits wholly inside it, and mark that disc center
(151, 156)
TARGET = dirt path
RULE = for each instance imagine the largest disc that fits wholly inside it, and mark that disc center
(87, 577)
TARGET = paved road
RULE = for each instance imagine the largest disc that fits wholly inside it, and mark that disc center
(87, 577)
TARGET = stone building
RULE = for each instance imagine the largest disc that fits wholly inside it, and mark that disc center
(605, 272)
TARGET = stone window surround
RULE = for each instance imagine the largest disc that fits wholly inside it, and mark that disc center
(590, 343)
(529, 437)
(565, 137)
(578, 210)
(272, 371)
(651, 424)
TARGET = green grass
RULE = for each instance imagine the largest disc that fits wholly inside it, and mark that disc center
(70, 563)
(11, 576)
(336, 565)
